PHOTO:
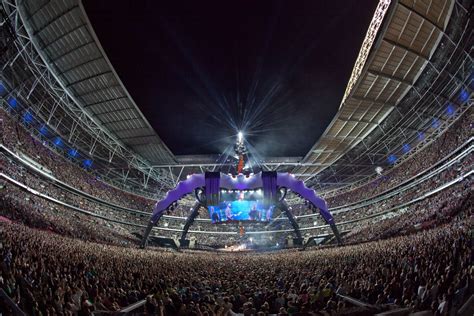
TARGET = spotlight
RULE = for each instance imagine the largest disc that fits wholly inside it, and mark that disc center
(12, 102)
(379, 170)
(3, 90)
(450, 110)
(27, 117)
(43, 130)
(87, 163)
(392, 159)
(58, 142)
(240, 136)
(421, 136)
(406, 148)
(72, 153)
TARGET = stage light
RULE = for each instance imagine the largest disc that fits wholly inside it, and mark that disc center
(379, 170)
(392, 159)
(406, 148)
(43, 130)
(87, 163)
(240, 136)
(12, 102)
(421, 136)
(58, 141)
(463, 95)
(73, 153)
(27, 117)
(3, 90)
(450, 110)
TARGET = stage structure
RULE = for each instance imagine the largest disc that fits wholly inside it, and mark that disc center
(207, 188)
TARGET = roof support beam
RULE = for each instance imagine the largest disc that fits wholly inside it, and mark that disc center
(73, 49)
(389, 105)
(390, 77)
(79, 65)
(348, 119)
(405, 48)
(120, 120)
(59, 16)
(105, 101)
(63, 35)
(88, 78)
(421, 16)
(94, 91)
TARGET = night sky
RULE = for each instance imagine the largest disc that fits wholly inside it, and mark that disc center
(201, 70)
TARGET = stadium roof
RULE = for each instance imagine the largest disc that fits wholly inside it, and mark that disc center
(386, 68)
(402, 92)
(414, 61)
(68, 44)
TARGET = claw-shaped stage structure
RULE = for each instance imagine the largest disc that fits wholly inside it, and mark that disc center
(210, 184)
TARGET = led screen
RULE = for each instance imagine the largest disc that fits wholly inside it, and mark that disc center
(240, 206)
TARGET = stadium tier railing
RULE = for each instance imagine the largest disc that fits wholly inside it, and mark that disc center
(412, 182)
(8, 301)
(466, 148)
(468, 308)
(64, 185)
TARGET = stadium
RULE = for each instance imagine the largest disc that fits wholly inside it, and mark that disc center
(237, 158)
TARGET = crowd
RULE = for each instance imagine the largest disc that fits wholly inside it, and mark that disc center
(455, 136)
(18, 172)
(15, 137)
(48, 274)
(386, 220)
(435, 210)
(12, 195)
(351, 214)
(36, 212)
(58, 261)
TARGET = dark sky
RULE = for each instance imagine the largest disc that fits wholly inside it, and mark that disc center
(200, 70)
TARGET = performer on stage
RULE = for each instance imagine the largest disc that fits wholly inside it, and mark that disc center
(253, 214)
(228, 212)
(214, 215)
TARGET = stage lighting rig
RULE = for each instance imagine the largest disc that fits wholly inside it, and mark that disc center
(241, 151)
(239, 147)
